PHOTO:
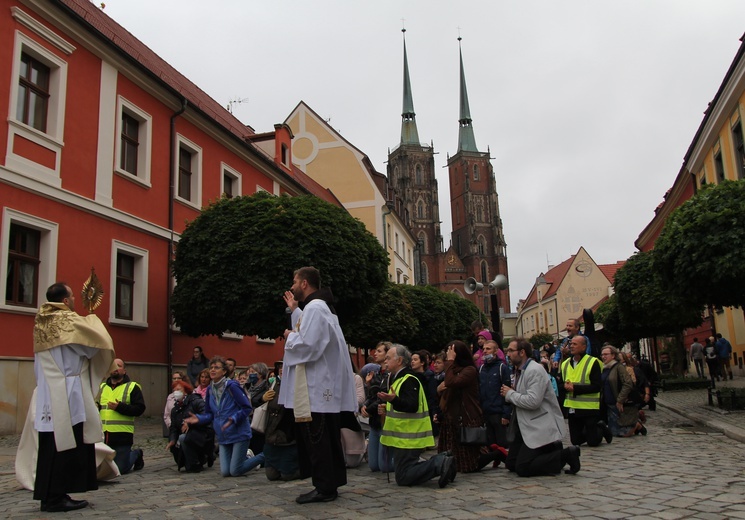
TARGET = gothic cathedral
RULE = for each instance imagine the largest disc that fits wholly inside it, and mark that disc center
(477, 248)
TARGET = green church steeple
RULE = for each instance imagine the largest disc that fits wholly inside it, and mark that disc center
(466, 140)
(409, 134)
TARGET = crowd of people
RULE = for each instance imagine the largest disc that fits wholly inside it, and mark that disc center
(312, 415)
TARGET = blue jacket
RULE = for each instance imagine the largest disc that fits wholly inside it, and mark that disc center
(233, 405)
(724, 348)
(491, 378)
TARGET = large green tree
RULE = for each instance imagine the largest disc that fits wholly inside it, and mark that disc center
(442, 317)
(701, 250)
(388, 318)
(646, 306)
(234, 262)
(539, 339)
(420, 317)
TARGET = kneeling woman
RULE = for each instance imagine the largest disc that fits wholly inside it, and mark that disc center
(191, 446)
(228, 409)
(623, 415)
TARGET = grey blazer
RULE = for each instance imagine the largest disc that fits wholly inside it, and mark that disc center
(536, 407)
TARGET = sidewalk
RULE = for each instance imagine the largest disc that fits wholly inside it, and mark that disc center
(694, 405)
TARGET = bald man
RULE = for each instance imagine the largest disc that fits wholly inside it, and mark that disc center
(121, 401)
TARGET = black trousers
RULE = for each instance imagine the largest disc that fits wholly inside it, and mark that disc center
(410, 471)
(320, 453)
(531, 462)
(496, 432)
(61, 472)
(584, 428)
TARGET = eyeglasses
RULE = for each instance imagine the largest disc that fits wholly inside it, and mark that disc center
(511, 350)
(216, 367)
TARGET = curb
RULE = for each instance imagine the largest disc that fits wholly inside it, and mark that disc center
(732, 432)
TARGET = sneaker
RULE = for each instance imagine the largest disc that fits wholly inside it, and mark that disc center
(249, 453)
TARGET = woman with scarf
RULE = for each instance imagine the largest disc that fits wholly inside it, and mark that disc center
(228, 409)
(203, 383)
(622, 414)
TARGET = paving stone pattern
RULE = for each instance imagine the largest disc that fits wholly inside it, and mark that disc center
(690, 465)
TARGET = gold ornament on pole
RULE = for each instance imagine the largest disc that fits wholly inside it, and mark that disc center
(92, 292)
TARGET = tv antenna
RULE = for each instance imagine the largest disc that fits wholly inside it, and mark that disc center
(236, 101)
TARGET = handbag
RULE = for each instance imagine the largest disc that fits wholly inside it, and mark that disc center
(258, 422)
(472, 436)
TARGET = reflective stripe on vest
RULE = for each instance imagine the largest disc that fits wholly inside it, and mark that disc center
(111, 420)
(580, 374)
(407, 430)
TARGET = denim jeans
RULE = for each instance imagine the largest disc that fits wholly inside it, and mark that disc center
(613, 417)
(125, 458)
(379, 457)
(233, 461)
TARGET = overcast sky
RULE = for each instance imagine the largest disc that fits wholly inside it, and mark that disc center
(588, 107)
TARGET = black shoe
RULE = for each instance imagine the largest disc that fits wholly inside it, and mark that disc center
(607, 434)
(140, 462)
(447, 472)
(316, 496)
(64, 505)
(643, 430)
(572, 458)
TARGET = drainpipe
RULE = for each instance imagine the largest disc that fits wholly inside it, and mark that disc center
(171, 188)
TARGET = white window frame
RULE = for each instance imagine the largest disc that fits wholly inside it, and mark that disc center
(237, 180)
(144, 139)
(140, 293)
(196, 172)
(47, 255)
(53, 138)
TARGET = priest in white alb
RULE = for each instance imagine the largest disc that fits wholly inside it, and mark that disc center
(318, 384)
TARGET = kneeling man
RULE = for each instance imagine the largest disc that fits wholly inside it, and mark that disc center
(407, 428)
(538, 425)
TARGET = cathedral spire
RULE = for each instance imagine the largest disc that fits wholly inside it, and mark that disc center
(466, 140)
(409, 134)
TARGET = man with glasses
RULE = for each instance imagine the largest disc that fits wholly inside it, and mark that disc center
(537, 426)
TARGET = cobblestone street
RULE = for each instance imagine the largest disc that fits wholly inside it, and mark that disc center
(685, 467)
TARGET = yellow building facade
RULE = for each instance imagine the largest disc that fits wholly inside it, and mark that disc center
(563, 292)
(332, 161)
(716, 153)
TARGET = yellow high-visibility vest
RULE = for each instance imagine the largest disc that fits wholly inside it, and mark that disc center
(580, 374)
(407, 430)
(112, 420)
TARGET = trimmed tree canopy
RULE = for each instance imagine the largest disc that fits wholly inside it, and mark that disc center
(235, 261)
(646, 306)
(701, 250)
(389, 318)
